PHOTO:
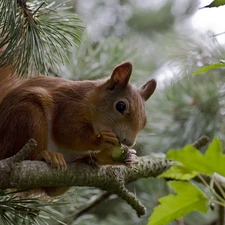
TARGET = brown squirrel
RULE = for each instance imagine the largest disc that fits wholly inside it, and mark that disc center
(68, 118)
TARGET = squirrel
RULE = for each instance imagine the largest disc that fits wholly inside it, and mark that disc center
(71, 118)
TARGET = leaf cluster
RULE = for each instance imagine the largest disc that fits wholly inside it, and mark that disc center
(191, 163)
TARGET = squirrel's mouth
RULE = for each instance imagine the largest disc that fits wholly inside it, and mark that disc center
(127, 142)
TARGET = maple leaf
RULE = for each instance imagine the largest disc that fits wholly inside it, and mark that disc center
(188, 199)
(212, 161)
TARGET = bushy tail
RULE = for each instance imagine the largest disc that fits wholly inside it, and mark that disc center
(7, 80)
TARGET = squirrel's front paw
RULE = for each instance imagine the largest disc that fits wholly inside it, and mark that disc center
(107, 139)
(131, 157)
(56, 159)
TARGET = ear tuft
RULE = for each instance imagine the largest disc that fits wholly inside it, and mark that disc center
(148, 89)
(120, 75)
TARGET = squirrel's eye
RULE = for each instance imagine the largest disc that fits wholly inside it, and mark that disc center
(120, 107)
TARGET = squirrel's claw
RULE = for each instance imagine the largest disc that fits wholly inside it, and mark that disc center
(107, 139)
(131, 157)
(55, 159)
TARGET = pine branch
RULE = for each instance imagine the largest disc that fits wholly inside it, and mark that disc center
(15, 210)
(36, 35)
(31, 174)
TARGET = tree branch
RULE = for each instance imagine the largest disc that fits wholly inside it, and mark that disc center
(201, 142)
(19, 174)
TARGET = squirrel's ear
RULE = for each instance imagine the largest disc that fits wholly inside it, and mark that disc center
(148, 89)
(120, 75)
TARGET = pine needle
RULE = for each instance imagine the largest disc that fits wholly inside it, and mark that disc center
(36, 35)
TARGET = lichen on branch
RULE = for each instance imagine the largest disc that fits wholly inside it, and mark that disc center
(19, 174)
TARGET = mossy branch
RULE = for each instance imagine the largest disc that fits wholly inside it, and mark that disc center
(19, 174)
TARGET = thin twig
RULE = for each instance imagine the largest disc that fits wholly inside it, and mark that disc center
(201, 142)
(219, 188)
(24, 152)
(91, 206)
(210, 188)
(221, 218)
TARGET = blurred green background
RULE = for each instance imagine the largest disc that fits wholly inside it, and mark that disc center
(157, 36)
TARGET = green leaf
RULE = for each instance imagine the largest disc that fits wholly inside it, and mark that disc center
(210, 67)
(212, 161)
(179, 172)
(215, 3)
(188, 198)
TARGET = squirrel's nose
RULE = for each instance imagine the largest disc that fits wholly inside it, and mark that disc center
(127, 142)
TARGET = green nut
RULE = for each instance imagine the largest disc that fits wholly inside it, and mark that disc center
(120, 153)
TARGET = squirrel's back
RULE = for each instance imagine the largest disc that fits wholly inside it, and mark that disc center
(7, 81)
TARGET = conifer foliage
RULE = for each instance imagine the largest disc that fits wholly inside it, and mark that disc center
(37, 34)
